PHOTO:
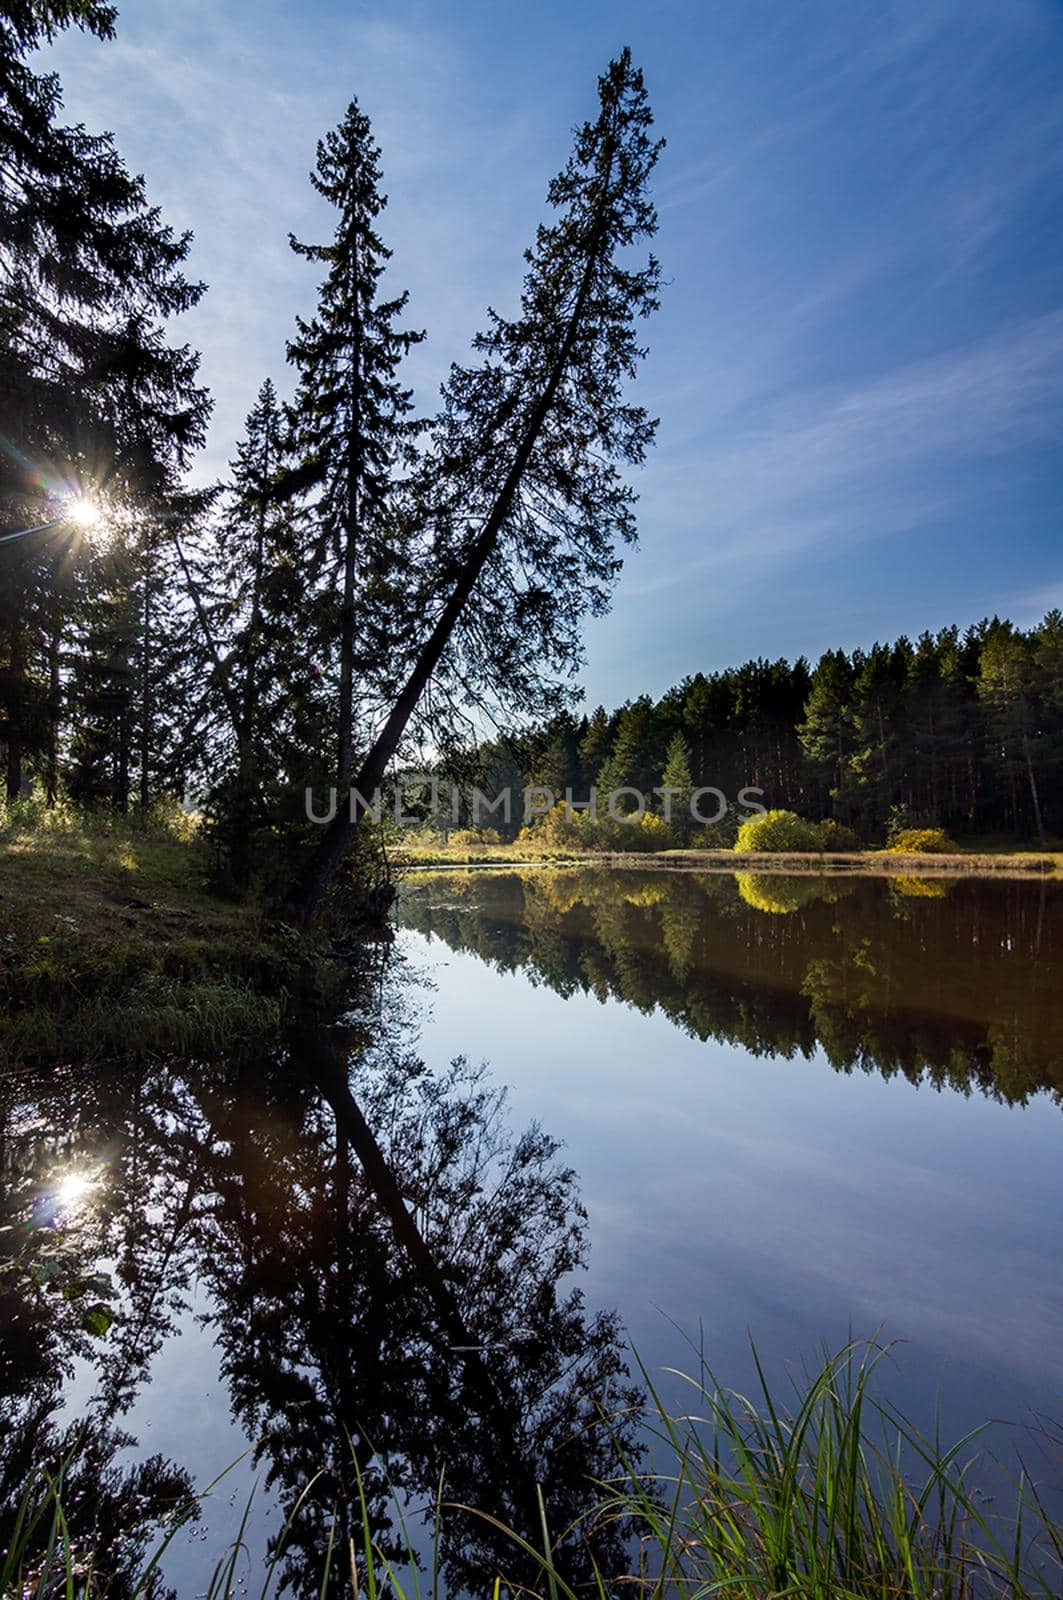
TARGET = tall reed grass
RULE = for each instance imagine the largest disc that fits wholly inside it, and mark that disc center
(834, 1496)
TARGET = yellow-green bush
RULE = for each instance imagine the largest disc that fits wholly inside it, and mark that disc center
(558, 830)
(562, 831)
(649, 833)
(778, 830)
(921, 842)
(472, 838)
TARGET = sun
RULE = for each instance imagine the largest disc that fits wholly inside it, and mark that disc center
(84, 514)
(73, 1187)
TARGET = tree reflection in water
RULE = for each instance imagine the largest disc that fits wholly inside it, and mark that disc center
(949, 982)
(390, 1273)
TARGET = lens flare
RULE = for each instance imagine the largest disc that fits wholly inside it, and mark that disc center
(73, 1187)
(84, 514)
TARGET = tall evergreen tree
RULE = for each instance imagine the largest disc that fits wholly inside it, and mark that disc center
(350, 417)
(678, 786)
(1006, 687)
(827, 730)
(530, 496)
(638, 750)
(92, 395)
(594, 747)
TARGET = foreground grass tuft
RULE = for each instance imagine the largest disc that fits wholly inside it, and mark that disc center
(834, 1497)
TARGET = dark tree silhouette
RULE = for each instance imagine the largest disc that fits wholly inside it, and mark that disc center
(528, 444)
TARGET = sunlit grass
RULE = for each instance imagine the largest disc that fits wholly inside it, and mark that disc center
(111, 938)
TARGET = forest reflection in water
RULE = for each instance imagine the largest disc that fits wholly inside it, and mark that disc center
(952, 982)
(379, 1261)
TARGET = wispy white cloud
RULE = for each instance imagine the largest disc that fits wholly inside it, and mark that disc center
(845, 461)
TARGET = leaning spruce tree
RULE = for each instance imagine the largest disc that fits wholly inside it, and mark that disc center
(528, 498)
(350, 415)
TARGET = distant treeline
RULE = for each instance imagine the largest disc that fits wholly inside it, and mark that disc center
(961, 730)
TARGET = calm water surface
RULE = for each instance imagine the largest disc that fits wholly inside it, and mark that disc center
(786, 1108)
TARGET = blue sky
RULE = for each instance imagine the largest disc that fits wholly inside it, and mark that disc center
(858, 365)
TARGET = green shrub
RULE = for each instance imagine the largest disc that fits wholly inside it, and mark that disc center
(562, 831)
(778, 830)
(921, 842)
(558, 831)
(837, 836)
(720, 835)
(649, 833)
(475, 838)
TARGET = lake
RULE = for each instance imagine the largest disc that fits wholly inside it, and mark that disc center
(569, 1113)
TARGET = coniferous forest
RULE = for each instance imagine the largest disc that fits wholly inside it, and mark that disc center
(367, 577)
(370, 582)
(961, 730)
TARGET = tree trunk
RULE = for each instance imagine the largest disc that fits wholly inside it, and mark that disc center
(145, 699)
(341, 831)
(246, 728)
(14, 741)
(498, 1406)
(345, 743)
(1034, 796)
(121, 772)
(54, 711)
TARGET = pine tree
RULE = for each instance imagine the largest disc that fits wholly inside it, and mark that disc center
(531, 497)
(678, 786)
(350, 417)
(594, 747)
(635, 759)
(877, 757)
(92, 396)
(827, 729)
(1006, 688)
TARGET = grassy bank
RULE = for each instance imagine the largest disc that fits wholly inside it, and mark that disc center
(110, 936)
(824, 1494)
(962, 863)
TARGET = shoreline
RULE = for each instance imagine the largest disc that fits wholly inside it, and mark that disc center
(870, 863)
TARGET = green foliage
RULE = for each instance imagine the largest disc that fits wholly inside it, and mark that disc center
(109, 940)
(677, 785)
(778, 830)
(964, 728)
(560, 832)
(824, 1494)
(838, 836)
(922, 841)
(474, 838)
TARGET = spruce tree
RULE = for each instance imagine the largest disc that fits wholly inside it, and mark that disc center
(1007, 691)
(351, 426)
(93, 398)
(678, 786)
(528, 493)
(827, 729)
